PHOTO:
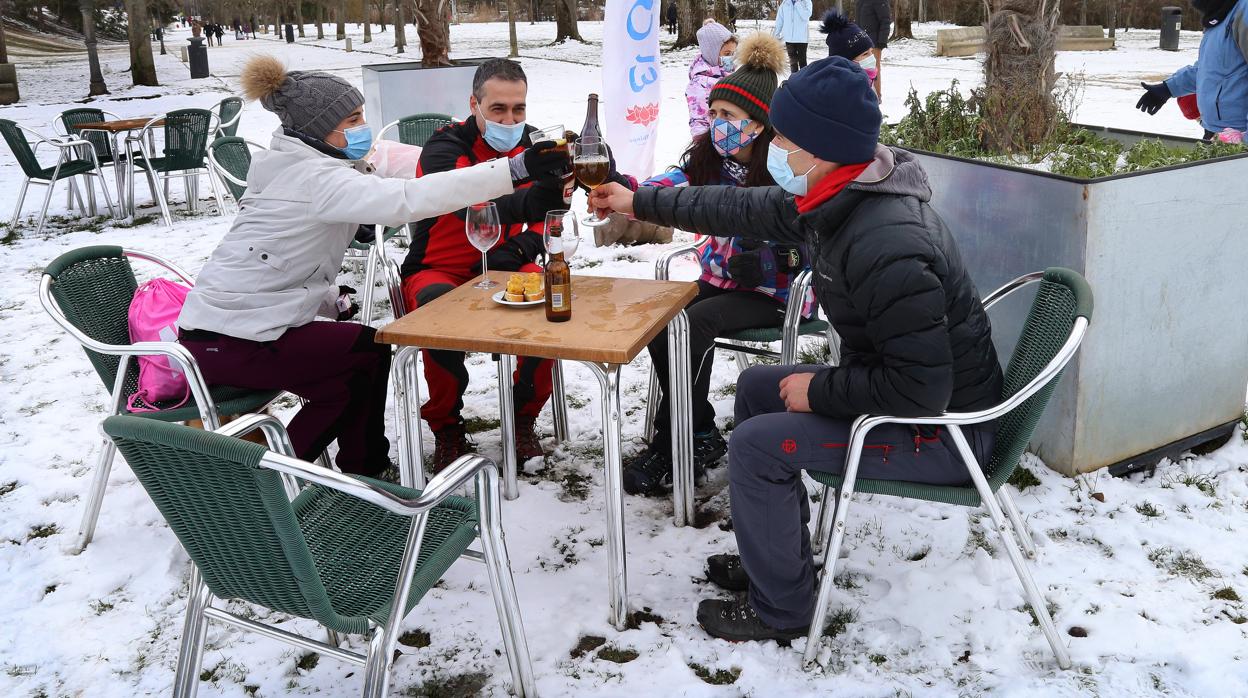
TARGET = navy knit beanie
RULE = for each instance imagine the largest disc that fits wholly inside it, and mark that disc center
(829, 110)
(845, 39)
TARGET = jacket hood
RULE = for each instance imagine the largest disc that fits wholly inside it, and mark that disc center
(894, 171)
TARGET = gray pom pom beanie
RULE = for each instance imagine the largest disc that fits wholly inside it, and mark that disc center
(312, 103)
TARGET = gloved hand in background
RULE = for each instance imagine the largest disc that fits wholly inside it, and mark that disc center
(1155, 97)
(516, 252)
(746, 267)
(539, 159)
(347, 307)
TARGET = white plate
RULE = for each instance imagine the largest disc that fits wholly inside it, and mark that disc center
(498, 298)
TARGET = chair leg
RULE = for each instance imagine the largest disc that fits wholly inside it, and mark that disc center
(89, 185)
(1034, 597)
(21, 198)
(1021, 529)
(652, 404)
(823, 522)
(331, 636)
(194, 629)
(162, 198)
(370, 280)
(828, 576)
(743, 361)
(377, 665)
(559, 406)
(95, 498)
(108, 199)
(43, 212)
(502, 586)
(216, 192)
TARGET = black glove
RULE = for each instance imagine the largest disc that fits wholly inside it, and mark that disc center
(746, 268)
(1155, 97)
(347, 307)
(545, 195)
(518, 251)
(365, 234)
(544, 158)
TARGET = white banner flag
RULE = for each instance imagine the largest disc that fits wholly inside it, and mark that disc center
(630, 83)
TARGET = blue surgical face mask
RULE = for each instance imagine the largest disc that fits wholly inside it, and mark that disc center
(359, 140)
(502, 137)
(727, 63)
(778, 166)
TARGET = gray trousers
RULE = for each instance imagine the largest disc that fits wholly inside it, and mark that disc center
(768, 450)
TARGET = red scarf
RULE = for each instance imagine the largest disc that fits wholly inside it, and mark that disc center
(830, 186)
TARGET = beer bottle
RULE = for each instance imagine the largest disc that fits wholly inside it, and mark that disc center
(568, 179)
(590, 129)
(558, 278)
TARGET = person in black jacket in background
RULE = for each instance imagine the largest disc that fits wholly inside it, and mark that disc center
(915, 339)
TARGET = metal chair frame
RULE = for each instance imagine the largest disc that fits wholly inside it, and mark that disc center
(65, 146)
(63, 129)
(382, 639)
(190, 177)
(174, 351)
(223, 126)
(224, 174)
(430, 116)
(1000, 504)
(790, 329)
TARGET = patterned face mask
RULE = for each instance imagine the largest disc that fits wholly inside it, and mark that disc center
(729, 137)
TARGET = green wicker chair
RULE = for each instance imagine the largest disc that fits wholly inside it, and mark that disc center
(71, 121)
(229, 111)
(1059, 318)
(417, 128)
(185, 155)
(230, 158)
(739, 343)
(87, 292)
(354, 554)
(76, 158)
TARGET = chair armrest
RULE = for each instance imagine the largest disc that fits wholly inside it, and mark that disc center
(1010, 287)
(662, 265)
(160, 261)
(274, 431)
(442, 486)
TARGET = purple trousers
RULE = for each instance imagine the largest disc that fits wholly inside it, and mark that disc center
(335, 366)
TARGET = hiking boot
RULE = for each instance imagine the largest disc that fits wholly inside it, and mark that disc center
(527, 444)
(708, 448)
(648, 471)
(726, 572)
(450, 442)
(737, 621)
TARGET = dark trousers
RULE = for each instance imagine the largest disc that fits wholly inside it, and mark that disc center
(713, 313)
(445, 371)
(797, 56)
(767, 453)
(336, 366)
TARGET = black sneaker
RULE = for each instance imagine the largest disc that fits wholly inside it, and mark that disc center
(708, 448)
(648, 472)
(726, 572)
(737, 621)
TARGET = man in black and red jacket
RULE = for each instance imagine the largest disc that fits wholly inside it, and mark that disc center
(441, 257)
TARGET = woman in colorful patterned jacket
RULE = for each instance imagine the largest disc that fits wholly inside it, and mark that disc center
(744, 283)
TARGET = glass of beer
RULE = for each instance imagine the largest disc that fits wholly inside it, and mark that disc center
(592, 164)
(483, 229)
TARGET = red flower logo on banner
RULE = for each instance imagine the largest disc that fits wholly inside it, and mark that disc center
(643, 114)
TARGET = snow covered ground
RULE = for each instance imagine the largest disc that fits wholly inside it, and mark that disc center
(926, 603)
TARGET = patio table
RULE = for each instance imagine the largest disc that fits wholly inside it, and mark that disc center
(120, 129)
(612, 321)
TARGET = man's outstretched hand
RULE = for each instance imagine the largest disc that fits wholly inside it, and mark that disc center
(611, 197)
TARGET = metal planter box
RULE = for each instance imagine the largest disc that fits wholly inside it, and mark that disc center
(395, 90)
(1165, 363)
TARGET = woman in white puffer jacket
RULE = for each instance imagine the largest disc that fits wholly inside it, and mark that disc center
(250, 320)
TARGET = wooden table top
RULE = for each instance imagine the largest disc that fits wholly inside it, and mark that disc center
(612, 320)
(119, 125)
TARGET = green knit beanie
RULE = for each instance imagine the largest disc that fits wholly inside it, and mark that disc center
(751, 86)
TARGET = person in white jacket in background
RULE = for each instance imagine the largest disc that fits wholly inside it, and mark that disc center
(793, 28)
(250, 321)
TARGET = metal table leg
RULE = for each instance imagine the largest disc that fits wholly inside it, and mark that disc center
(559, 403)
(680, 406)
(617, 573)
(407, 409)
(507, 418)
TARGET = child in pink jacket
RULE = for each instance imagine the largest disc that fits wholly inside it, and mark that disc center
(715, 48)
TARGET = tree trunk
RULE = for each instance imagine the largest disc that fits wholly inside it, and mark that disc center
(513, 47)
(381, 11)
(565, 22)
(400, 27)
(690, 22)
(901, 21)
(1018, 106)
(721, 13)
(4, 44)
(97, 86)
(368, 23)
(341, 13)
(142, 64)
(299, 17)
(320, 21)
(434, 32)
(1113, 17)
(1083, 13)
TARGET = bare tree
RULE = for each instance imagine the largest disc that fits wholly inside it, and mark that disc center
(320, 21)
(368, 22)
(142, 64)
(565, 21)
(341, 16)
(1019, 109)
(721, 13)
(692, 12)
(299, 17)
(400, 29)
(434, 30)
(901, 24)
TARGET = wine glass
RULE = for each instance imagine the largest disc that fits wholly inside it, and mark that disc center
(483, 230)
(592, 165)
(550, 133)
(569, 238)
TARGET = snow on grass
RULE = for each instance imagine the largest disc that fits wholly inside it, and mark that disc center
(1146, 586)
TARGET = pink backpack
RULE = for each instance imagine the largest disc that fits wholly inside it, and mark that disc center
(154, 314)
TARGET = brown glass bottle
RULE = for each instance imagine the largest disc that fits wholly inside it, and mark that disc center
(558, 279)
(590, 129)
